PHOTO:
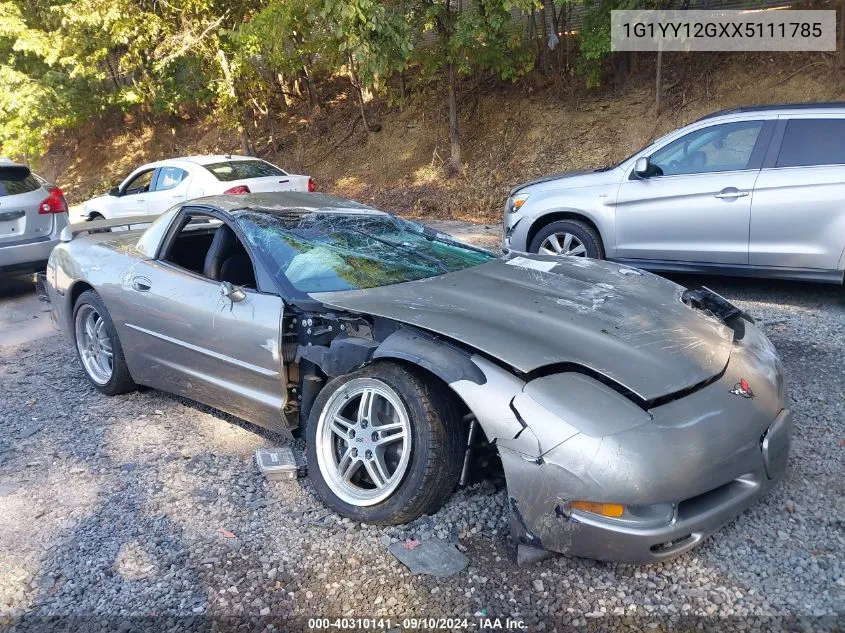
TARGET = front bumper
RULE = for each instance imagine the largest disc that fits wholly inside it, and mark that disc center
(593, 536)
(708, 455)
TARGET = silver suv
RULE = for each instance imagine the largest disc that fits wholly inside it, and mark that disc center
(756, 191)
(32, 215)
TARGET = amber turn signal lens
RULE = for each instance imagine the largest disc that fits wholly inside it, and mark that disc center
(604, 509)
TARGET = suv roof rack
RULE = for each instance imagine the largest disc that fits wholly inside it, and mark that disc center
(775, 106)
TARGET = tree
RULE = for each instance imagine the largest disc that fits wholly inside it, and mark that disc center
(371, 39)
(471, 39)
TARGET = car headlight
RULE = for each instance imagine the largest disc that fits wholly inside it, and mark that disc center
(515, 202)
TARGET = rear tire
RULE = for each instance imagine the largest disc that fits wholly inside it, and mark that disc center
(568, 238)
(98, 346)
(411, 475)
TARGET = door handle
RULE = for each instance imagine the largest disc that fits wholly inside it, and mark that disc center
(141, 284)
(731, 193)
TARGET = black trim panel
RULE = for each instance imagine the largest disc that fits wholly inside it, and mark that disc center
(734, 270)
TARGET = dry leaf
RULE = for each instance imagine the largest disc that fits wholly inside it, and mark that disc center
(226, 533)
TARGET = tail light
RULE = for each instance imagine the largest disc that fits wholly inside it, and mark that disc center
(311, 186)
(54, 203)
(237, 190)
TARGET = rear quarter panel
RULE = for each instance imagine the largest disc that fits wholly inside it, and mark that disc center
(101, 262)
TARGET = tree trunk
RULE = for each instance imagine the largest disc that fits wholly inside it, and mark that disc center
(842, 35)
(313, 101)
(658, 87)
(454, 132)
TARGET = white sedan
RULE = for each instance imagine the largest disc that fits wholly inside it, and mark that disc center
(153, 188)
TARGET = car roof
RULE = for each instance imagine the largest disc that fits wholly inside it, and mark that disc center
(780, 108)
(179, 161)
(210, 159)
(286, 202)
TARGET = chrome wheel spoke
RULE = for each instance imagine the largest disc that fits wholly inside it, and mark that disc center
(563, 244)
(365, 408)
(377, 470)
(348, 465)
(394, 433)
(554, 243)
(90, 328)
(341, 427)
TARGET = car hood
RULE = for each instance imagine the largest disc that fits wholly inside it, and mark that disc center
(532, 312)
(575, 178)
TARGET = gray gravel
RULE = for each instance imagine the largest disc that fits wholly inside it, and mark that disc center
(148, 511)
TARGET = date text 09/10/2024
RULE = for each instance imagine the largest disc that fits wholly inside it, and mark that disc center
(483, 623)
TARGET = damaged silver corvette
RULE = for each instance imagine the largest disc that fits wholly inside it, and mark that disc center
(631, 417)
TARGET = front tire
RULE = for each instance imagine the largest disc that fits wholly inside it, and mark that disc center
(98, 347)
(384, 445)
(571, 238)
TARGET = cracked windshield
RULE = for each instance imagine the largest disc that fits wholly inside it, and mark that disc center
(328, 251)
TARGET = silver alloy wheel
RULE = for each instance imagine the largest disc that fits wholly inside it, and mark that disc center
(363, 442)
(94, 344)
(563, 244)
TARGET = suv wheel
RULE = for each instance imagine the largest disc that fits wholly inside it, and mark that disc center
(570, 238)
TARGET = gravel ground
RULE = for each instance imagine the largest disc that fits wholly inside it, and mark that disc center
(147, 511)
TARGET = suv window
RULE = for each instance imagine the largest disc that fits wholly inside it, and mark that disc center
(725, 147)
(139, 184)
(16, 181)
(808, 142)
(243, 169)
(169, 177)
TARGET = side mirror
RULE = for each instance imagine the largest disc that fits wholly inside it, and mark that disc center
(231, 292)
(642, 167)
(114, 191)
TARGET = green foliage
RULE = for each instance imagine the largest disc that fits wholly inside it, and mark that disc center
(477, 38)
(67, 62)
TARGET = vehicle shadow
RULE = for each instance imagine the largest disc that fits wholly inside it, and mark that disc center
(772, 291)
(16, 286)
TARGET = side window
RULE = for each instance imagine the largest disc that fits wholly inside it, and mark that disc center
(725, 147)
(169, 177)
(140, 183)
(208, 247)
(808, 142)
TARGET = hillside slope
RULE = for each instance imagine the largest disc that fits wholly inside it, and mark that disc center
(510, 133)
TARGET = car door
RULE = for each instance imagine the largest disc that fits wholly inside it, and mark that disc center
(169, 187)
(696, 204)
(187, 338)
(133, 195)
(798, 211)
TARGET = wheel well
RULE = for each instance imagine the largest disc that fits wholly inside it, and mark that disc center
(77, 289)
(431, 378)
(554, 217)
(484, 460)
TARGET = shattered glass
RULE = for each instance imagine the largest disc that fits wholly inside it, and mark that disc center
(332, 250)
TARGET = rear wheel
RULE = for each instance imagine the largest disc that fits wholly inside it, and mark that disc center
(98, 346)
(570, 238)
(93, 218)
(383, 445)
